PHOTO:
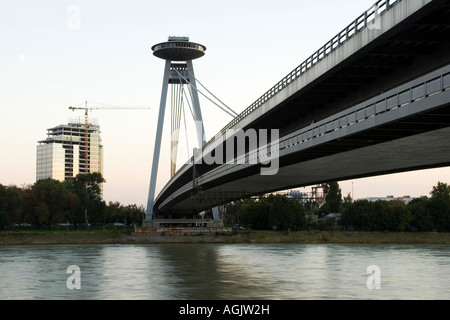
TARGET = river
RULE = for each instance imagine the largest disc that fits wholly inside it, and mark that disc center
(225, 272)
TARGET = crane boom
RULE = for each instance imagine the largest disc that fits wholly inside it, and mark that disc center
(86, 125)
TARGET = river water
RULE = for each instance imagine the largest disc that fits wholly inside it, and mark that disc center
(225, 272)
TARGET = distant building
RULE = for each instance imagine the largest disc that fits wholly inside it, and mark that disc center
(405, 199)
(66, 152)
(295, 194)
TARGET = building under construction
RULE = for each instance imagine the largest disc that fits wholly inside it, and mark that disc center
(69, 150)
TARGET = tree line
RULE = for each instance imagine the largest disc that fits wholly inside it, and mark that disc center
(79, 201)
(49, 202)
(422, 214)
(279, 212)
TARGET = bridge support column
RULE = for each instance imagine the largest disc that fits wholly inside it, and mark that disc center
(157, 147)
(181, 73)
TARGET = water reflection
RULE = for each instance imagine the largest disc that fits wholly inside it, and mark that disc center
(225, 272)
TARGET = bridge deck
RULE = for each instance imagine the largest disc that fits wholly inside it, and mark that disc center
(373, 109)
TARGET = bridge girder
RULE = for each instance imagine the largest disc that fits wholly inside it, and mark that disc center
(417, 45)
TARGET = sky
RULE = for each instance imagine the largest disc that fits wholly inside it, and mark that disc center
(58, 53)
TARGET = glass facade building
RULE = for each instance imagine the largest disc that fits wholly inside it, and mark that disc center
(69, 150)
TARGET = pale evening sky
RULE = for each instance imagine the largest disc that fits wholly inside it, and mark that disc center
(58, 53)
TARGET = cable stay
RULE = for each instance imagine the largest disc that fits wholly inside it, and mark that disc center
(178, 97)
(232, 113)
(186, 133)
(187, 98)
(177, 104)
(235, 114)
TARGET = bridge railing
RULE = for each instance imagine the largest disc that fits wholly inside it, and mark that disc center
(426, 86)
(365, 20)
(429, 85)
(393, 101)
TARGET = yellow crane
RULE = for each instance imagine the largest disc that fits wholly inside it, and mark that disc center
(86, 108)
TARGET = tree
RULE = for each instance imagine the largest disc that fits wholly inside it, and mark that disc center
(356, 215)
(265, 213)
(379, 216)
(113, 212)
(286, 214)
(72, 206)
(246, 212)
(312, 207)
(11, 205)
(441, 191)
(134, 214)
(421, 218)
(333, 198)
(440, 206)
(30, 204)
(347, 201)
(3, 210)
(255, 213)
(90, 206)
(400, 216)
(51, 196)
(88, 185)
(231, 216)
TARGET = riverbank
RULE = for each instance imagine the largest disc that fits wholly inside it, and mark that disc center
(305, 237)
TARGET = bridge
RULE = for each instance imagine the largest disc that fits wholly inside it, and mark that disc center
(373, 100)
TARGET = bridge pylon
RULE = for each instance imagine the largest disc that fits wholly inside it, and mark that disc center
(178, 52)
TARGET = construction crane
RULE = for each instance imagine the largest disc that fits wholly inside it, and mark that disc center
(86, 108)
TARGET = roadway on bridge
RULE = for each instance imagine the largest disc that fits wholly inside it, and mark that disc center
(412, 39)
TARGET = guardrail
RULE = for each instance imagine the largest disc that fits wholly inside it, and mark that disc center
(426, 86)
(429, 85)
(362, 22)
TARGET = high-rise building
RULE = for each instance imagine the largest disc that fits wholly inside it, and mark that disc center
(69, 150)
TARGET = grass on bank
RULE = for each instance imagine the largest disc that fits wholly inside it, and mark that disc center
(375, 237)
(71, 229)
(100, 234)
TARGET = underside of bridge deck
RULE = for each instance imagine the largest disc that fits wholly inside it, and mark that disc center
(409, 50)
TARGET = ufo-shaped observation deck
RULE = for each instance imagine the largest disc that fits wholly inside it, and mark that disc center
(178, 49)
